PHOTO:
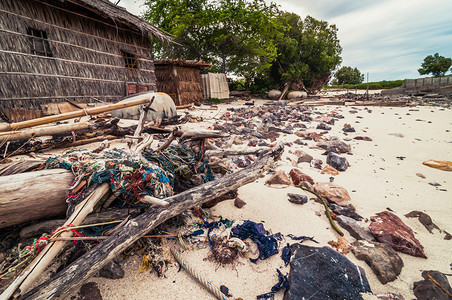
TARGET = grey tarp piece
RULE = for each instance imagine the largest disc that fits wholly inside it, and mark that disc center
(163, 106)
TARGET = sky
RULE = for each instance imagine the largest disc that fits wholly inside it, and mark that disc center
(388, 39)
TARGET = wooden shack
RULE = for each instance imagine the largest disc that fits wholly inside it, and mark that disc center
(77, 50)
(181, 79)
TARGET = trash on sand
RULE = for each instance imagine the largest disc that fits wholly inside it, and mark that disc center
(443, 165)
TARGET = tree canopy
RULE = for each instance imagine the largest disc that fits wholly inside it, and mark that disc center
(348, 75)
(249, 38)
(435, 64)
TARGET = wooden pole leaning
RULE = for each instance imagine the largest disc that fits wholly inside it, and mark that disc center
(141, 99)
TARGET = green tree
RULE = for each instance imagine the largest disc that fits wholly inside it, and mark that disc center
(436, 64)
(235, 35)
(348, 75)
(308, 50)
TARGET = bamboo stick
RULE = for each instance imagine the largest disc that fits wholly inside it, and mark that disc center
(36, 132)
(141, 99)
(24, 281)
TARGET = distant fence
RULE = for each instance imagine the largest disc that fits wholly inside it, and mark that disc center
(421, 82)
(215, 85)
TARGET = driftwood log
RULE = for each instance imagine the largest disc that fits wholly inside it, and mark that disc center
(90, 263)
(33, 195)
(19, 167)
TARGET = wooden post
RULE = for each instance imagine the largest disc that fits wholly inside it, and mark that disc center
(90, 263)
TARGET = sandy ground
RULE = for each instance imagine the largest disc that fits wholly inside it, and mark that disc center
(376, 180)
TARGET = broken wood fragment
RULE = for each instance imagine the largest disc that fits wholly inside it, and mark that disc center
(90, 263)
(33, 195)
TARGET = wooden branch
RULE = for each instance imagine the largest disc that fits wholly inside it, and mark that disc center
(24, 281)
(229, 152)
(50, 225)
(33, 195)
(90, 263)
(137, 100)
(37, 132)
(154, 200)
(168, 142)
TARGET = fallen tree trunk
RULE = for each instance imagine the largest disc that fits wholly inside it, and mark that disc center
(86, 266)
(33, 195)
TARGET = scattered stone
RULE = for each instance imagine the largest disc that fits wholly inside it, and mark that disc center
(332, 192)
(297, 198)
(390, 296)
(334, 142)
(399, 135)
(341, 245)
(424, 219)
(89, 291)
(316, 163)
(347, 211)
(301, 134)
(111, 270)
(355, 228)
(239, 203)
(427, 289)
(303, 156)
(420, 175)
(299, 142)
(384, 261)
(322, 273)
(279, 177)
(434, 183)
(297, 95)
(323, 126)
(362, 138)
(330, 170)
(348, 128)
(298, 177)
(340, 163)
(274, 94)
(388, 228)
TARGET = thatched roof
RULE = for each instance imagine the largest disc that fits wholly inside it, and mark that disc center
(198, 64)
(109, 10)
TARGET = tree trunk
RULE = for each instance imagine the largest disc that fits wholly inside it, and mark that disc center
(33, 195)
(86, 266)
(19, 167)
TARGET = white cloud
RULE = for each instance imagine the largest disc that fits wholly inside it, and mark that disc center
(388, 38)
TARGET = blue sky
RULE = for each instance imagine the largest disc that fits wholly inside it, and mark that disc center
(387, 38)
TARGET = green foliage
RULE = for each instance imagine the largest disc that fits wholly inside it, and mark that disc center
(380, 85)
(307, 50)
(348, 75)
(249, 38)
(213, 100)
(436, 64)
(235, 35)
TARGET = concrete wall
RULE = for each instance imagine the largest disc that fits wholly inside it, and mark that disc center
(421, 82)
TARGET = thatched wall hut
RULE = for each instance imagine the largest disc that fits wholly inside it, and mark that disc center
(181, 79)
(79, 50)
